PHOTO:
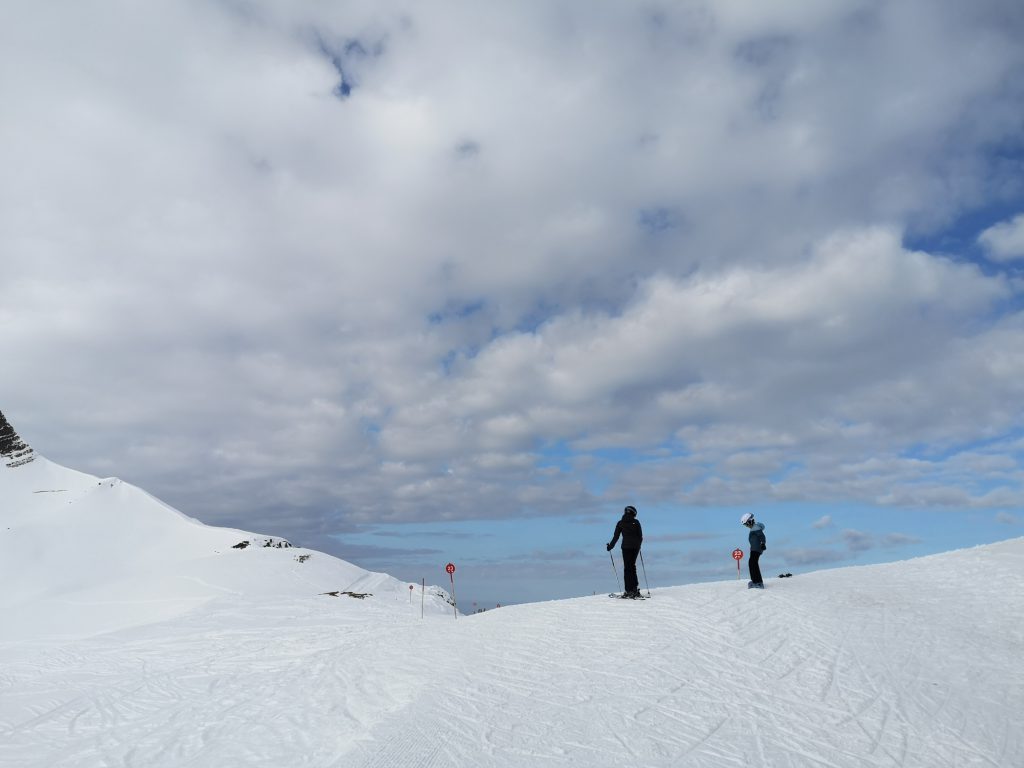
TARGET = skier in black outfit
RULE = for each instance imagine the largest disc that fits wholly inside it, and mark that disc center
(632, 537)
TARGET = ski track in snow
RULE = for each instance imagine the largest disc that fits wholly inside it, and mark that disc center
(914, 664)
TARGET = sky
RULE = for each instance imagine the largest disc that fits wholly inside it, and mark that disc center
(416, 284)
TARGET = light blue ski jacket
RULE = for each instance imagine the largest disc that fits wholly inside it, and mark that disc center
(758, 543)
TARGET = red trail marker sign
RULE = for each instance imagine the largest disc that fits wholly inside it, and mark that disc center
(737, 555)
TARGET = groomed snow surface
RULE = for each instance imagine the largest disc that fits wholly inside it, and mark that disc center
(135, 636)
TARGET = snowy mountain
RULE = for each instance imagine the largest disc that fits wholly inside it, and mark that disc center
(82, 555)
(133, 635)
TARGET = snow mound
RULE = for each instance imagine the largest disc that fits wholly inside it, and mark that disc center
(81, 555)
(904, 665)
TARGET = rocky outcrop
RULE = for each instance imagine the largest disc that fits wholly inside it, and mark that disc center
(13, 450)
(263, 541)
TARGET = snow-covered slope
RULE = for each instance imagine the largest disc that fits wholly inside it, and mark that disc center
(132, 635)
(81, 555)
(906, 664)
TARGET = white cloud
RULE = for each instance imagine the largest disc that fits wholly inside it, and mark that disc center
(707, 349)
(672, 259)
(1004, 241)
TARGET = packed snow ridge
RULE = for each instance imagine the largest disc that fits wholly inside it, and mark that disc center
(82, 555)
(133, 635)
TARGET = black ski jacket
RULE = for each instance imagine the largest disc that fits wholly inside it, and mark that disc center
(632, 534)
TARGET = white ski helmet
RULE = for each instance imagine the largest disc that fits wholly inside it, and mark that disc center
(747, 518)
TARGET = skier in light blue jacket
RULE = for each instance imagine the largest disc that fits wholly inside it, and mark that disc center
(757, 546)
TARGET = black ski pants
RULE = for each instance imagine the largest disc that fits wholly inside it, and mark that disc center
(629, 557)
(755, 568)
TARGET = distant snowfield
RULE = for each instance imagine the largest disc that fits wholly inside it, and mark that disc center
(135, 636)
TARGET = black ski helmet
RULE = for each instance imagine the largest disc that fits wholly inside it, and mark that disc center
(630, 510)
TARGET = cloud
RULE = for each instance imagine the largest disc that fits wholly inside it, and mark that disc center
(704, 557)
(548, 556)
(298, 268)
(899, 540)
(822, 522)
(448, 535)
(812, 556)
(369, 553)
(670, 537)
(706, 348)
(1004, 242)
(860, 541)
(1007, 519)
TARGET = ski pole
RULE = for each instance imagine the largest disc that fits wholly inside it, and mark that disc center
(613, 569)
(645, 574)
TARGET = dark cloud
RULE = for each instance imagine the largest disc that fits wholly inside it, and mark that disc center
(467, 149)
(658, 219)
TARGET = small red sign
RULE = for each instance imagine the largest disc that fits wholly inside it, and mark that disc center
(450, 568)
(737, 554)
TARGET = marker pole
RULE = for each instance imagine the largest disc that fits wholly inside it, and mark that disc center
(450, 570)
